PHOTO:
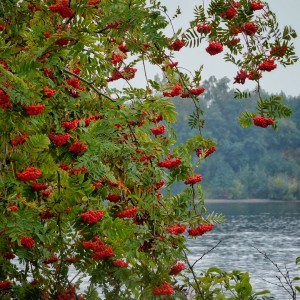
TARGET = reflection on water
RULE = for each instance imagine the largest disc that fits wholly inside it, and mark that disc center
(272, 227)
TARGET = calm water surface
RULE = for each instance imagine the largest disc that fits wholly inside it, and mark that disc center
(272, 227)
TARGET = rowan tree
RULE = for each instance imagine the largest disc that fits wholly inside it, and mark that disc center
(86, 166)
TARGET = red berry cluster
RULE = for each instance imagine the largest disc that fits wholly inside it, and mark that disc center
(169, 162)
(113, 198)
(64, 167)
(256, 5)
(49, 93)
(176, 91)
(13, 208)
(158, 130)
(68, 295)
(200, 230)
(242, 75)
(62, 42)
(59, 139)
(62, 7)
(197, 91)
(76, 171)
(116, 58)
(159, 184)
(214, 48)
(90, 119)
(204, 28)
(75, 83)
(126, 73)
(123, 48)
(163, 290)
(92, 216)
(71, 260)
(46, 193)
(177, 44)
(78, 147)
(262, 121)
(193, 179)
(146, 157)
(97, 184)
(128, 213)
(34, 110)
(19, 139)
(115, 24)
(9, 255)
(103, 254)
(30, 173)
(5, 284)
(101, 251)
(229, 13)
(52, 259)
(47, 214)
(176, 229)
(207, 152)
(71, 125)
(249, 28)
(27, 241)
(37, 187)
(120, 263)
(47, 35)
(4, 100)
(177, 268)
(48, 73)
(267, 65)
(93, 2)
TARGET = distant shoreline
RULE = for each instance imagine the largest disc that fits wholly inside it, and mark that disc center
(248, 201)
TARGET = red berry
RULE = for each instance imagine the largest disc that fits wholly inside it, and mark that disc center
(30, 173)
(177, 268)
(176, 229)
(158, 130)
(34, 110)
(27, 241)
(267, 65)
(92, 216)
(177, 45)
(120, 263)
(164, 289)
(200, 230)
(249, 28)
(214, 48)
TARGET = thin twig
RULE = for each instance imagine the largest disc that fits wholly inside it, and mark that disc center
(193, 273)
(89, 84)
(207, 252)
(291, 291)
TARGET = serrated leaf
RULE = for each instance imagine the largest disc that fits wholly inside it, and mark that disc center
(38, 142)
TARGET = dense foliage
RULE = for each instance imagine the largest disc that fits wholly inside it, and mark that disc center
(249, 163)
(83, 162)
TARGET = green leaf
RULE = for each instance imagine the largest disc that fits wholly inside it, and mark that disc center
(37, 143)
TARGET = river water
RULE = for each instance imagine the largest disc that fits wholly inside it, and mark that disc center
(272, 227)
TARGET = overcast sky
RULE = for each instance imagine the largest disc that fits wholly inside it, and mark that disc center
(281, 79)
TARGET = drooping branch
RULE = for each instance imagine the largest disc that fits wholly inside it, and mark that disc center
(90, 84)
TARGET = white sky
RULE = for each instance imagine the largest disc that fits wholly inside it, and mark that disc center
(281, 79)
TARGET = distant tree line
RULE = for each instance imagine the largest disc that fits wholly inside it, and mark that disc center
(249, 163)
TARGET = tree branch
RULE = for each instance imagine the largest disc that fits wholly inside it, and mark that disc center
(89, 84)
